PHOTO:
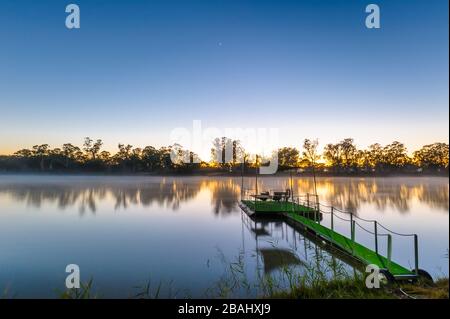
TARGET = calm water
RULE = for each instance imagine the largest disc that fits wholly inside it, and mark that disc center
(184, 232)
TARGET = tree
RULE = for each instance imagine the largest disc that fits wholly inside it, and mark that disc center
(310, 151)
(135, 158)
(151, 158)
(71, 154)
(227, 153)
(332, 154)
(224, 152)
(310, 154)
(165, 160)
(288, 157)
(70, 150)
(343, 155)
(24, 153)
(22, 158)
(375, 156)
(91, 147)
(123, 156)
(56, 158)
(178, 155)
(395, 155)
(104, 156)
(363, 160)
(349, 152)
(41, 152)
(434, 155)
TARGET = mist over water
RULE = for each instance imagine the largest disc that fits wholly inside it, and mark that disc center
(124, 231)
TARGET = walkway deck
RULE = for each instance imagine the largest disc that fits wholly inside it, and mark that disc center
(277, 207)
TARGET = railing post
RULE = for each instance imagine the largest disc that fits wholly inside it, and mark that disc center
(318, 207)
(353, 230)
(376, 236)
(416, 254)
(389, 248)
(307, 199)
(318, 213)
(256, 182)
(332, 220)
(352, 235)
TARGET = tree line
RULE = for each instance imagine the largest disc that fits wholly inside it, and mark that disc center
(340, 158)
(345, 157)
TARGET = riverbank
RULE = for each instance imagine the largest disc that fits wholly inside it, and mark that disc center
(226, 174)
(327, 289)
(356, 289)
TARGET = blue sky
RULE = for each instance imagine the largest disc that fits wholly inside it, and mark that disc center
(138, 69)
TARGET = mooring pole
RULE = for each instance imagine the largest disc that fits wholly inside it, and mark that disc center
(416, 254)
(376, 236)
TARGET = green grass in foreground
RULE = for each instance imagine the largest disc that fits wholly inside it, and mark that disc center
(336, 289)
(332, 289)
(437, 290)
(356, 289)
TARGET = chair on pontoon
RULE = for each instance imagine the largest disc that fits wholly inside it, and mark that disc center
(264, 196)
(277, 196)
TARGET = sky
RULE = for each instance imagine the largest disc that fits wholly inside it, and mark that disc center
(136, 70)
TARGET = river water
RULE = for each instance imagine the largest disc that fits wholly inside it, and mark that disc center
(184, 234)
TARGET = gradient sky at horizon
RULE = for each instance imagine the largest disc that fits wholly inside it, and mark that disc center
(138, 69)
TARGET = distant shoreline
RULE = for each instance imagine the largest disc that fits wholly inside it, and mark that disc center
(233, 174)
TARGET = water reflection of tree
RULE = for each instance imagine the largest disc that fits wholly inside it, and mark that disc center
(170, 193)
(62, 196)
(350, 193)
(343, 193)
(224, 195)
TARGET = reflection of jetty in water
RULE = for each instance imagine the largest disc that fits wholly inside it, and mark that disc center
(280, 245)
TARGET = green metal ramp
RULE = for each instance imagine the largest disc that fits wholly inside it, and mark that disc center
(365, 255)
(309, 216)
